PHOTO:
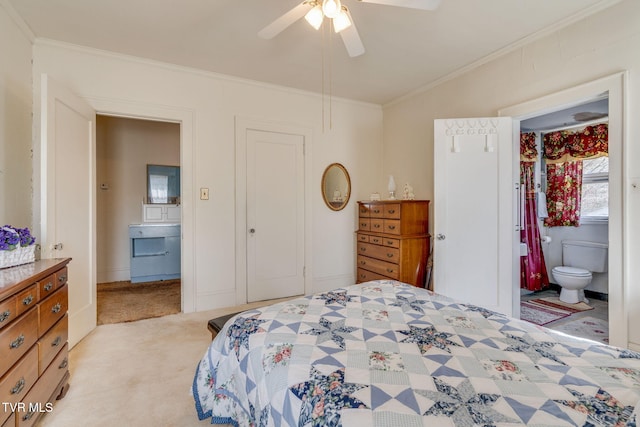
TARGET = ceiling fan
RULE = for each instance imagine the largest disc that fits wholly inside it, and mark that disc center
(314, 11)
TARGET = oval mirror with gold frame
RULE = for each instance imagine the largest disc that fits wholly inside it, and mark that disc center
(336, 186)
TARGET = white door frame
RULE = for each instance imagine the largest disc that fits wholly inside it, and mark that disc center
(615, 85)
(185, 117)
(242, 125)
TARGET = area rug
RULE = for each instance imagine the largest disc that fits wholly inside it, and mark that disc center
(587, 327)
(554, 302)
(541, 314)
(127, 302)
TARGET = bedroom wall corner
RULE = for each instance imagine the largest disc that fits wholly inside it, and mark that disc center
(16, 191)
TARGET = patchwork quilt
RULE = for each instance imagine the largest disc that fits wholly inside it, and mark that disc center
(384, 353)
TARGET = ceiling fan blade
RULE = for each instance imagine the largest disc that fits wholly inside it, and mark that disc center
(413, 4)
(280, 24)
(351, 39)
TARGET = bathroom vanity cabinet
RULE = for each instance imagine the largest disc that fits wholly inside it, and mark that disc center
(155, 252)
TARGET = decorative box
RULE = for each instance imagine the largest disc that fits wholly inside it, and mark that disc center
(18, 256)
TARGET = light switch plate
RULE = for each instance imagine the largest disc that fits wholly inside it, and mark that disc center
(204, 194)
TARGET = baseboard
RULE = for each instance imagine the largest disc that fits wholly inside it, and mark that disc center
(587, 293)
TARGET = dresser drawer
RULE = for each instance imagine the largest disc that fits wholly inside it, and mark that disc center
(392, 226)
(10, 422)
(392, 243)
(7, 311)
(380, 252)
(363, 238)
(377, 211)
(20, 378)
(366, 275)
(377, 225)
(61, 277)
(364, 224)
(47, 286)
(392, 211)
(51, 343)
(363, 210)
(16, 339)
(43, 392)
(52, 309)
(384, 268)
(27, 299)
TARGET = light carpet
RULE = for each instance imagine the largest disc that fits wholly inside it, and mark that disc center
(137, 373)
(595, 329)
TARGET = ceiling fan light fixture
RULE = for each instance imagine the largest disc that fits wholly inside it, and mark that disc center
(341, 21)
(331, 8)
(315, 17)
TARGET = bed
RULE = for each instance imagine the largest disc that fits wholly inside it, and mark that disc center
(384, 353)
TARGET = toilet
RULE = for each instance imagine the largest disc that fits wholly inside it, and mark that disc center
(580, 259)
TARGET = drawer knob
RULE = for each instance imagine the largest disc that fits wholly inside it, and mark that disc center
(62, 278)
(389, 270)
(376, 211)
(363, 249)
(363, 262)
(4, 316)
(64, 364)
(18, 387)
(28, 300)
(56, 308)
(57, 341)
(389, 242)
(376, 225)
(389, 255)
(392, 211)
(17, 342)
(392, 227)
(28, 416)
(376, 241)
(48, 286)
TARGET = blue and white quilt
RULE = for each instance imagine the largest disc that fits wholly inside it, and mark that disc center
(385, 353)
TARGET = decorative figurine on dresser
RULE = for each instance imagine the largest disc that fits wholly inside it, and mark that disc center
(34, 364)
(393, 240)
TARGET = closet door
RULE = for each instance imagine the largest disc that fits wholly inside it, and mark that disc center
(68, 207)
(476, 237)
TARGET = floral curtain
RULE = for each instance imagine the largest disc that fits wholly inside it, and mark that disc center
(533, 270)
(563, 153)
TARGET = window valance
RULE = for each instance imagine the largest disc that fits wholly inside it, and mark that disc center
(563, 146)
(528, 150)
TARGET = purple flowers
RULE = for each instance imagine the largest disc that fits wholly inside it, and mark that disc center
(12, 237)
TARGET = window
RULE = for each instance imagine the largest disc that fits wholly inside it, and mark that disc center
(595, 190)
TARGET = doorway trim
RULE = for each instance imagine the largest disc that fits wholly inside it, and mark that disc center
(185, 117)
(242, 125)
(615, 85)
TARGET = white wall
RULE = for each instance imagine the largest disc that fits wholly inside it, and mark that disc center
(124, 147)
(15, 124)
(598, 46)
(214, 102)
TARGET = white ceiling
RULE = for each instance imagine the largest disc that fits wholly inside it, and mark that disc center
(406, 49)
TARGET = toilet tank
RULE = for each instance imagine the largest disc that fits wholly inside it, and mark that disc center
(591, 256)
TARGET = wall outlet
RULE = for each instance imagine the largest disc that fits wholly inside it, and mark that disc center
(204, 194)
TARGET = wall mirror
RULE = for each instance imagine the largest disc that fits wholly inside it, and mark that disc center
(163, 184)
(336, 186)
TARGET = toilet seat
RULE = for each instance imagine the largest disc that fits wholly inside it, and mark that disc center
(571, 271)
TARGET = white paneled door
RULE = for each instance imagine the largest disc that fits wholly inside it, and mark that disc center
(475, 211)
(275, 215)
(68, 197)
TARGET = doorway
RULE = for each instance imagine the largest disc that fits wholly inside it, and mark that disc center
(124, 149)
(541, 302)
(612, 88)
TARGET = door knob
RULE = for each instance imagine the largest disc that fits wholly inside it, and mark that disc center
(252, 230)
(441, 237)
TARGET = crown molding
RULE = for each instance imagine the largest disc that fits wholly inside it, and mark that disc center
(17, 19)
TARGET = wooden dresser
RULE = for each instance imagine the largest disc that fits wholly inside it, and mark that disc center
(393, 240)
(33, 340)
